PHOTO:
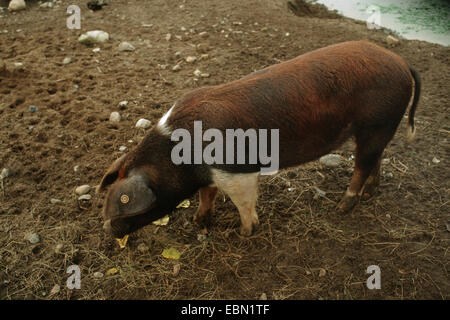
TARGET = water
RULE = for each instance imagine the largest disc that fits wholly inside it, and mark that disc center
(427, 20)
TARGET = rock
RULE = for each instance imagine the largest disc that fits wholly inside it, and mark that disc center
(98, 275)
(176, 67)
(46, 5)
(55, 201)
(122, 148)
(5, 173)
(389, 175)
(76, 168)
(204, 34)
(202, 48)
(16, 5)
(263, 296)
(32, 237)
(123, 104)
(331, 160)
(96, 50)
(85, 197)
(56, 288)
(176, 269)
(168, 37)
(126, 46)
(322, 272)
(191, 59)
(197, 73)
(67, 60)
(58, 247)
(81, 190)
(205, 75)
(114, 117)
(143, 123)
(33, 108)
(392, 41)
(143, 247)
(385, 161)
(435, 160)
(95, 36)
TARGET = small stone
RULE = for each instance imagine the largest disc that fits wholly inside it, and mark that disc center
(55, 201)
(331, 160)
(388, 215)
(18, 65)
(123, 104)
(204, 34)
(114, 117)
(322, 272)
(176, 269)
(122, 148)
(143, 123)
(67, 60)
(58, 247)
(98, 275)
(56, 288)
(191, 59)
(81, 190)
(205, 75)
(392, 41)
(202, 48)
(197, 73)
(126, 46)
(16, 5)
(389, 175)
(85, 197)
(263, 296)
(96, 50)
(46, 5)
(435, 160)
(176, 67)
(201, 237)
(32, 237)
(385, 161)
(76, 168)
(5, 173)
(168, 37)
(95, 36)
(143, 247)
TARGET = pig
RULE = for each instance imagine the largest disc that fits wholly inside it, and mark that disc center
(315, 101)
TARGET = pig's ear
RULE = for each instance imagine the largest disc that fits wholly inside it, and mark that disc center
(111, 175)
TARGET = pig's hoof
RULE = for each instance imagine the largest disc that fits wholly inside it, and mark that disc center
(203, 220)
(247, 231)
(369, 191)
(347, 203)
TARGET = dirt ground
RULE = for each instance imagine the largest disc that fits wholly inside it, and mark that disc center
(303, 248)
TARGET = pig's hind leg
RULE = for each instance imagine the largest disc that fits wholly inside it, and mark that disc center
(205, 209)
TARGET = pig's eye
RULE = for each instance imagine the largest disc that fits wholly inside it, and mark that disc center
(124, 198)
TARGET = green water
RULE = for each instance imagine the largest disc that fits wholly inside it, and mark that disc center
(427, 20)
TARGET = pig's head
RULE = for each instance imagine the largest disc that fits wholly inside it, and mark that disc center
(131, 201)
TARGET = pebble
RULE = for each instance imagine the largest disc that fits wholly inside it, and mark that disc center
(33, 108)
(392, 41)
(122, 148)
(5, 173)
(168, 37)
(205, 75)
(331, 160)
(204, 34)
(126, 46)
(16, 5)
(114, 117)
(435, 160)
(58, 247)
(191, 59)
(143, 123)
(385, 161)
(85, 197)
(201, 237)
(46, 5)
(389, 175)
(55, 201)
(67, 60)
(176, 269)
(81, 190)
(96, 50)
(98, 275)
(76, 168)
(322, 272)
(197, 73)
(123, 104)
(176, 67)
(32, 237)
(95, 36)
(202, 48)
(143, 247)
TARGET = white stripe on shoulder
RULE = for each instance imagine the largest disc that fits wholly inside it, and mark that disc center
(162, 124)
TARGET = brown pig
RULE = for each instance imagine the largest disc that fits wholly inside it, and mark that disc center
(310, 105)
